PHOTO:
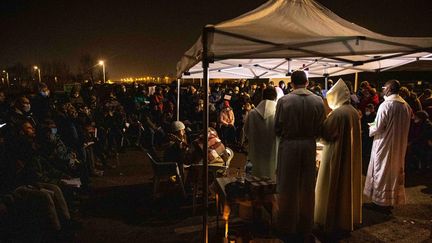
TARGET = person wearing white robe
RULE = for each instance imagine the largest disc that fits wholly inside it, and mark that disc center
(260, 132)
(299, 117)
(279, 93)
(338, 193)
(386, 177)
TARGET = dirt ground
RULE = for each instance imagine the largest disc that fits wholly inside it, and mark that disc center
(121, 209)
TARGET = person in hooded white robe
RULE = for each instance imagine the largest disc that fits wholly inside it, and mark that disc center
(338, 193)
(279, 93)
(386, 172)
(260, 132)
(298, 120)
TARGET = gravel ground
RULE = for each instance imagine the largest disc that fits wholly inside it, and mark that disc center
(121, 209)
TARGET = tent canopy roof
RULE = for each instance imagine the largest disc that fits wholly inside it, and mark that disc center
(285, 35)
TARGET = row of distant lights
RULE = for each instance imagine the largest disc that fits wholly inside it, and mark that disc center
(148, 78)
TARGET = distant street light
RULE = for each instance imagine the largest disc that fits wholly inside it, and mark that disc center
(102, 63)
(7, 76)
(39, 72)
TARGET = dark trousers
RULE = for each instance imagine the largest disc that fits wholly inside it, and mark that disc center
(228, 134)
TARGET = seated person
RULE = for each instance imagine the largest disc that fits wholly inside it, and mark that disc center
(227, 120)
(217, 152)
(54, 150)
(178, 147)
(32, 179)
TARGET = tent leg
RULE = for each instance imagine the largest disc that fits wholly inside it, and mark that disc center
(355, 82)
(205, 63)
(178, 99)
(326, 83)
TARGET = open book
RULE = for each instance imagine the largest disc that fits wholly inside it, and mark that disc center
(74, 182)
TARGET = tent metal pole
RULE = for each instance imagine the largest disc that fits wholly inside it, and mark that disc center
(326, 75)
(326, 83)
(355, 82)
(178, 99)
(205, 63)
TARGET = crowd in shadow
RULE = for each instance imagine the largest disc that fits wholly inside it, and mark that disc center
(52, 142)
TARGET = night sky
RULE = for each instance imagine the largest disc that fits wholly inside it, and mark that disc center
(148, 37)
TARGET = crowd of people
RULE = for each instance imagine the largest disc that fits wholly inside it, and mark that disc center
(51, 142)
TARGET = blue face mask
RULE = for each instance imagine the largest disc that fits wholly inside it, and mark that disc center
(54, 131)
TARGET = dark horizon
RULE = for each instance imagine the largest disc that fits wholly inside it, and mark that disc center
(148, 37)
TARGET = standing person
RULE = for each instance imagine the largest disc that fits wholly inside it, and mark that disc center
(279, 90)
(366, 118)
(260, 130)
(338, 191)
(367, 96)
(411, 99)
(426, 99)
(257, 96)
(283, 87)
(299, 117)
(385, 177)
(247, 107)
(420, 137)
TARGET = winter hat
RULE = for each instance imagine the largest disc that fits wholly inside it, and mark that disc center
(177, 126)
(226, 103)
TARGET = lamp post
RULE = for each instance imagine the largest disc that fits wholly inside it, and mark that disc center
(7, 76)
(39, 72)
(102, 63)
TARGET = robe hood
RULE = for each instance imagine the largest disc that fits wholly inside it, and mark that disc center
(394, 97)
(338, 95)
(266, 108)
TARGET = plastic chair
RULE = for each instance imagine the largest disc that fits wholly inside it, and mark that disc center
(165, 170)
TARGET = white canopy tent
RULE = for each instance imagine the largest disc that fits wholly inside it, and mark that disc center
(315, 66)
(297, 34)
(285, 35)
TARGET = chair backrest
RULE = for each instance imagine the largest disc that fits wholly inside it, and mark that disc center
(162, 168)
(230, 157)
(153, 162)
